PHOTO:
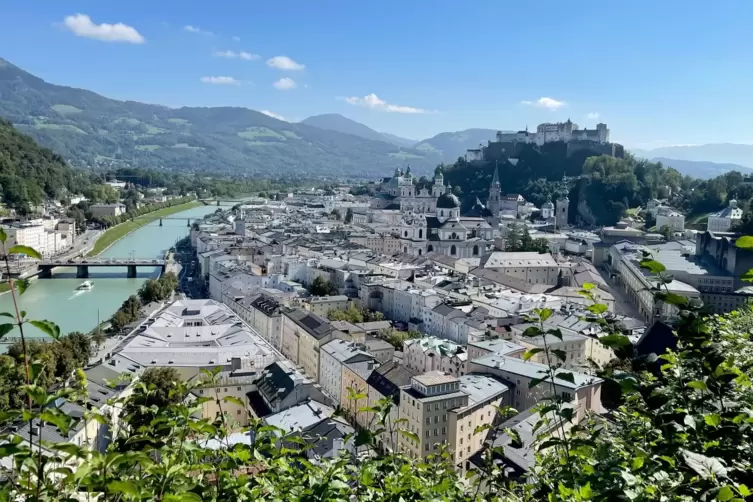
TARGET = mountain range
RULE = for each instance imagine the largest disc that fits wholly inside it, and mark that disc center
(445, 147)
(702, 161)
(90, 130)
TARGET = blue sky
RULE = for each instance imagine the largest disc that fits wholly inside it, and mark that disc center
(657, 72)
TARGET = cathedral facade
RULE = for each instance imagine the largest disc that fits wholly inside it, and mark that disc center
(431, 221)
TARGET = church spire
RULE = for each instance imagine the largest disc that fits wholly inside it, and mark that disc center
(495, 180)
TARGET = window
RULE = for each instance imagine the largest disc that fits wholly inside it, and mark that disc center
(427, 430)
(444, 417)
(435, 432)
(436, 419)
(238, 389)
(475, 250)
(444, 430)
(461, 441)
(461, 428)
(453, 250)
(436, 406)
(429, 248)
(420, 233)
(238, 412)
(428, 420)
(426, 447)
(224, 390)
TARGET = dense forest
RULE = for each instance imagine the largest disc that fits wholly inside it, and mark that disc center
(29, 174)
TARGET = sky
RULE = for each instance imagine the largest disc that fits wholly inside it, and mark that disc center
(659, 73)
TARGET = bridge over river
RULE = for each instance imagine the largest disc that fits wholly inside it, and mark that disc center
(82, 266)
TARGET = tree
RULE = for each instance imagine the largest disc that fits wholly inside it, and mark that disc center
(160, 387)
(396, 337)
(322, 287)
(351, 314)
(99, 338)
(119, 320)
(169, 282)
(667, 232)
(349, 215)
(336, 214)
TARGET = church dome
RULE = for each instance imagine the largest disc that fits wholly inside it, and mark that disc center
(547, 205)
(448, 201)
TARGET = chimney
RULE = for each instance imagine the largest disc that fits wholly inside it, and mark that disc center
(235, 363)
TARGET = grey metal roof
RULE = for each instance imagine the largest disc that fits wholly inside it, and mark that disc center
(300, 416)
(481, 387)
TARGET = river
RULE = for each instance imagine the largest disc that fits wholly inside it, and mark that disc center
(57, 300)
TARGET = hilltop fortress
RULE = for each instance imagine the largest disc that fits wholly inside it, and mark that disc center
(508, 143)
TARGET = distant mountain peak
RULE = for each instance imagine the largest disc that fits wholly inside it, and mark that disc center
(340, 123)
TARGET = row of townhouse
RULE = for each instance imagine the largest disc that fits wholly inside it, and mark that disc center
(431, 311)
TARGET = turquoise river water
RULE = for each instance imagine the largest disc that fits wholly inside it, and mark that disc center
(57, 300)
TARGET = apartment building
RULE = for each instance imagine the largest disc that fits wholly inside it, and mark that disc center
(385, 383)
(623, 263)
(397, 300)
(435, 354)
(321, 305)
(102, 210)
(354, 382)
(333, 356)
(236, 384)
(424, 405)
(445, 410)
(303, 334)
(261, 312)
(280, 386)
(529, 267)
(499, 346)
(584, 393)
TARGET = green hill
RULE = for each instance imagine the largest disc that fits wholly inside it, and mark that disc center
(30, 173)
(92, 130)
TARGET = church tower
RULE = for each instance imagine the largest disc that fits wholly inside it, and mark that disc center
(495, 195)
(438, 189)
(563, 210)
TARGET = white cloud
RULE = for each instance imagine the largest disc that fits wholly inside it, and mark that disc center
(240, 55)
(236, 39)
(593, 115)
(273, 115)
(82, 26)
(221, 80)
(196, 29)
(284, 63)
(285, 84)
(548, 103)
(374, 102)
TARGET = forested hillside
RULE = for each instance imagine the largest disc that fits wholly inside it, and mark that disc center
(91, 130)
(30, 173)
(601, 188)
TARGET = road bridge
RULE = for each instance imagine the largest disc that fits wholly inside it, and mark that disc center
(82, 267)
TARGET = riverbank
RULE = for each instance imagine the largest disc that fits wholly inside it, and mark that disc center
(114, 234)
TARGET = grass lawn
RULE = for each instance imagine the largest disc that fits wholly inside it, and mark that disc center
(113, 234)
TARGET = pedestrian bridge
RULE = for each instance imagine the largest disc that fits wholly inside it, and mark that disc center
(82, 266)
